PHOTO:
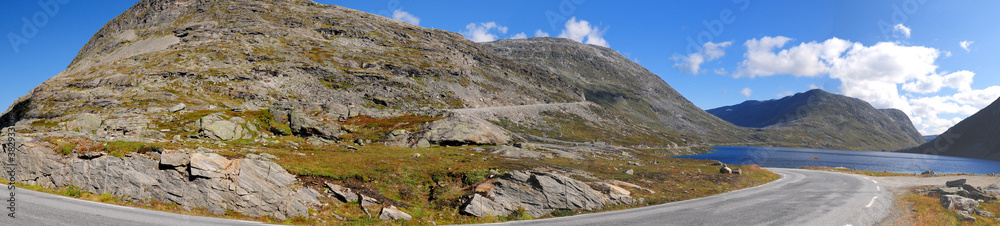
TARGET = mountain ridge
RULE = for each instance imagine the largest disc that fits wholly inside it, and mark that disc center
(829, 117)
(973, 137)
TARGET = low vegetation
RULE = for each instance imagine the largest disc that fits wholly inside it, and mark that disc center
(927, 210)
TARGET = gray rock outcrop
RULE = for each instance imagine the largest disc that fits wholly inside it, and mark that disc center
(249, 187)
(304, 126)
(539, 194)
(966, 216)
(215, 127)
(955, 202)
(393, 213)
(462, 130)
(993, 189)
(342, 193)
(85, 123)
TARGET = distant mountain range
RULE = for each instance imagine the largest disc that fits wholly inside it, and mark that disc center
(974, 137)
(830, 119)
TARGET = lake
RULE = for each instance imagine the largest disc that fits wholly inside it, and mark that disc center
(861, 160)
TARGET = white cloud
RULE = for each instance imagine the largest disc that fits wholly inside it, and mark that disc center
(886, 74)
(813, 86)
(746, 92)
(519, 36)
(405, 17)
(720, 71)
(961, 81)
(899, 28)
(965, 45)
(807, 59)
(709, 52)
(540, 33)
(581, 31)
(483, 32)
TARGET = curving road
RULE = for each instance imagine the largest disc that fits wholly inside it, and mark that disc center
(800, 197)
(36, 208)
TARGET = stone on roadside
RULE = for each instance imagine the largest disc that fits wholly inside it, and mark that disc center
(955, 202)
(955, 183)
(737, 171)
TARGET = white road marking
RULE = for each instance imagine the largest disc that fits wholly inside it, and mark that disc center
(875, 181)
(878, 188)
(871, 202)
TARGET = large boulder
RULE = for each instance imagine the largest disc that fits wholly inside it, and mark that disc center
(304, 126)
(85, 123)
(462, 130)
(955, 202)
(536, 193)
(955, 183)
(215, 127)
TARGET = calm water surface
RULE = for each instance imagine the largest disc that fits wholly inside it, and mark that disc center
(862, 160)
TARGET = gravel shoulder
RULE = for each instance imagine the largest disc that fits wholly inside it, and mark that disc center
(902, 182)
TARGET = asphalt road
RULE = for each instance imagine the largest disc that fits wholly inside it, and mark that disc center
(36, 208)
(800, 197)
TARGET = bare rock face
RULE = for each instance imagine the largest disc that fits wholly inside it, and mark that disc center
(86, 123)
(249, 187)
(539, 194)
(461, 130)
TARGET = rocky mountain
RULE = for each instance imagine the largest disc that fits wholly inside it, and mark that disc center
(828, 118)
(628, 98)
(973, 137)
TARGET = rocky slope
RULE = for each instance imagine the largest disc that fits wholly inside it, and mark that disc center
(830, 120)
(974, 137)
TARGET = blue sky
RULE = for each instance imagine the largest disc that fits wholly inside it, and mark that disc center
(904, 54)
